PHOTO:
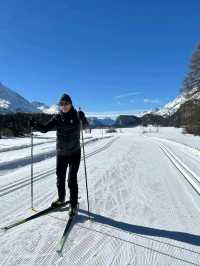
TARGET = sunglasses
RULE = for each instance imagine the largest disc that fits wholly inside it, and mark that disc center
(64, 103)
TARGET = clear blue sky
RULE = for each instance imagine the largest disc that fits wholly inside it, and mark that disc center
(108, 55)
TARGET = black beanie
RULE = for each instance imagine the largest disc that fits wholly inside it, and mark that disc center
(65, 98)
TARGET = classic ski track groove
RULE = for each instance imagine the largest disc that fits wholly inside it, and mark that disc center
(192, 178)
(194, 148)
(25, 181)
(24, 146)
(23, 161)
(16, 148)
(24, 178)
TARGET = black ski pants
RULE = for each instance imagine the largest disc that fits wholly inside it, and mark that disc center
(62, 162)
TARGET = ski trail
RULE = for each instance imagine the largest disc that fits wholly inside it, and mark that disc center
(141, 214)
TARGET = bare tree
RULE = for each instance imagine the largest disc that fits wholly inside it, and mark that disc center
(192, 79)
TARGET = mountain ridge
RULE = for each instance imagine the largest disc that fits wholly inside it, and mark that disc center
(11, 102)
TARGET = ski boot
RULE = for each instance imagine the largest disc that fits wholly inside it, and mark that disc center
(73, 209)
(57, 203)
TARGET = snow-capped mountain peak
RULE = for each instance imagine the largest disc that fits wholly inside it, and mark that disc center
(4, 104)
(53, 109)
(10, 101)
(171, 107)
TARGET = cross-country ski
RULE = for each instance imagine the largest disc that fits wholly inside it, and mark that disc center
(71, 219)
(34, 216)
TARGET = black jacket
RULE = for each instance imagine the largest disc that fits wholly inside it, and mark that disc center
(68, 127)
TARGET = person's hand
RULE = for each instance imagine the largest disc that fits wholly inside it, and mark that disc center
(81, 115)
(32, 122)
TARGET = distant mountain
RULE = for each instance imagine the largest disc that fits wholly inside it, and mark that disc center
(107, 121)
(183, 111)
(53, 109)
(172, 107)
(187, 114)
(45, 108)
(153, 119)
(11, 101)
(39, 105)
(127, 121)
(100, 122)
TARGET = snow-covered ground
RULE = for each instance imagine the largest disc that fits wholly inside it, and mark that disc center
(144, 201)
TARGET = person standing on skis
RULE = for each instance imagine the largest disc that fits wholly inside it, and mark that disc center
(68, 123)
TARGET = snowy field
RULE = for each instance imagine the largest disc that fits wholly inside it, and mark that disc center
(144, 191)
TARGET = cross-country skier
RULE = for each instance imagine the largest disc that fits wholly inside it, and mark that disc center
(68, 124)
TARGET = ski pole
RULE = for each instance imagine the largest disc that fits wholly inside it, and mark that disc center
(86, 183)
(32, 168)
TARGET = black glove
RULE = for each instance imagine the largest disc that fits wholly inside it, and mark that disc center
(32, 122)
(81, 115)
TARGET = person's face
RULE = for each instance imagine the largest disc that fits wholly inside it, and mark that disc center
(65, 107)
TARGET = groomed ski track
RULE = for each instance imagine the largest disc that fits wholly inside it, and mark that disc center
(144, 210)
